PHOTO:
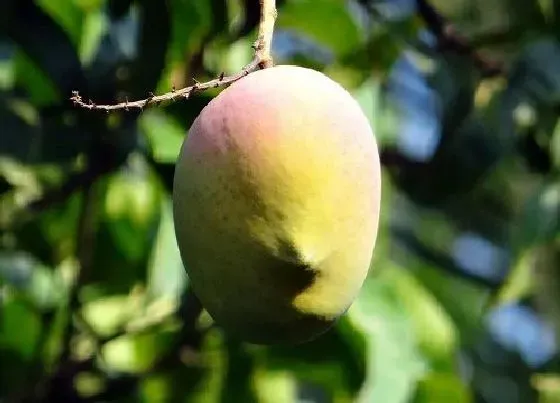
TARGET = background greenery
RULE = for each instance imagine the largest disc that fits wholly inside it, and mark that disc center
(462, 301)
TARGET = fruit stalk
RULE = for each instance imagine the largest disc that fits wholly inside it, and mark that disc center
(266, 30)
(261, 60)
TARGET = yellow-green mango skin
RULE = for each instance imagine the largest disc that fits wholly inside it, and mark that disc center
(276, 205)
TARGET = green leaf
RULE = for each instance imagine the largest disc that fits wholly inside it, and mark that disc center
(15, 317)
(20, 329)
(191, 20)
(132, 212)
(94, 26)
(394, 361)
(442, 388)
(166, 276)
(275, 387)
(464, 301)
(519, 282)
(109, 314)
(128, 223)
(434, 330)
(229, 57)
(165, 135)
(548, 386)
(327, 22)
(135, 353)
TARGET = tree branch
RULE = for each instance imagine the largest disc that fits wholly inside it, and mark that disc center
(449, 38)
(261, 60)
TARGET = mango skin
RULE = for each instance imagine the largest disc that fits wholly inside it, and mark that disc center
(276, 205)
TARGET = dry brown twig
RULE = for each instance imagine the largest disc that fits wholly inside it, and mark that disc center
(261, 60)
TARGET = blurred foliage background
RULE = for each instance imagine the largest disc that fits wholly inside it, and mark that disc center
(462, 301)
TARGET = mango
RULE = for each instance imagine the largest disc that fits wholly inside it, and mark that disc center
(276, 205)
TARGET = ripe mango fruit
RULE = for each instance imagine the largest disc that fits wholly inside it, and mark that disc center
(276, 204)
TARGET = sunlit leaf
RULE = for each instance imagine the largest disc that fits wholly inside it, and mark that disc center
(433, 328)
(463, 301)
(131, 207)
(164, 134)
(128, 225)
(166, 275)
(108, 315)
(442, 388)
(520, 282)
(135, 353)
(275, 387)
(394, 361)
(548, 386)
